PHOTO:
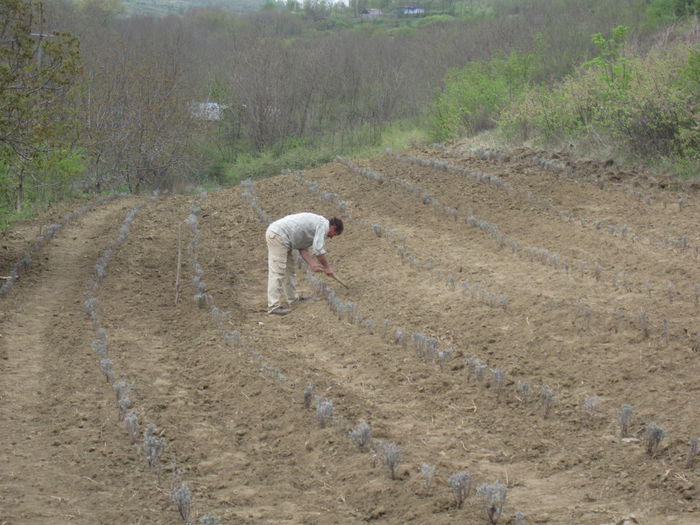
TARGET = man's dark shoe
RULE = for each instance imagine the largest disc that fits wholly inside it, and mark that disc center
(279, 310)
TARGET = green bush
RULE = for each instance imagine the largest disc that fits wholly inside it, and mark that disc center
(644, 107)
(474, 96)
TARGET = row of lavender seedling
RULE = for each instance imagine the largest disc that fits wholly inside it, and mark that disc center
(548, 258)
(480, 176)
(501, 300)
(150, 443)
(478, 292)
(203, 299)
(45, 235)
(682, 244)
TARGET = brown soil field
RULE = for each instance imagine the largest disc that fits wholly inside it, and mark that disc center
(500, 311)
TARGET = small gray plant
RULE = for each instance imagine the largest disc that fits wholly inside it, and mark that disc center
(547, 397)
(389, 456)
(324, 411)
(652, 437)
(181, 495)
(361, 435)
(131, 421)
(308, 395)
(493, 496)
(428, 473)
(692, 452)
(590, 408)
(479, 369)
(461, 484)
(624, 417)
(498, 378)
(443, 357)
(644, 323)
(523, 389)
(153, 446)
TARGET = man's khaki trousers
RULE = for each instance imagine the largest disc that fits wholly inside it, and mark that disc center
(281, 277)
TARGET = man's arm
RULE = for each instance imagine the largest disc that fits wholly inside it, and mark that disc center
(324, 264)
(315, 267)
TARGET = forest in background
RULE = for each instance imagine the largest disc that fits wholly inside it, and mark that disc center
(95, 100)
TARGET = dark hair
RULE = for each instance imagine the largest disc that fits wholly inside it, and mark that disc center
(338, 223)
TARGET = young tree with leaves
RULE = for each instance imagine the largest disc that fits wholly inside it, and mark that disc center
(37, 68)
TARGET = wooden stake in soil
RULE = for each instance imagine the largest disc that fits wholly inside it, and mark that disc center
(179, 264)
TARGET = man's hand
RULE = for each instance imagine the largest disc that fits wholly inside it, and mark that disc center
(316, 267)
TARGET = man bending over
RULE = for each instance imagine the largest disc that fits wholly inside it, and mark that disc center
(307, 233)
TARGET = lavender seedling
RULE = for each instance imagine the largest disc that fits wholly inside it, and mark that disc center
(324, 411)
(431, 349)
(153, 447)
(389, 456)
(523, 389)
(107, 369)
(624, 417)
(443, 357)
(692, 452)
(670, 289)
(586, 313)
(547, 395)
(181, 495)
(385, 328)
(493, 496)
(399, 336)
(590, 408)
(498, 379)
(520, 518)
(644, 323)
(361, 435)
(99, 345)
(461, 484)
(131, 421)
(652, 437)
(479, 373)
(419, 343)
(121, 388)
(428, 473)
(308, 395)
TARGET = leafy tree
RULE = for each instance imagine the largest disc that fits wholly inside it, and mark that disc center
(610, 60)
(36, 72)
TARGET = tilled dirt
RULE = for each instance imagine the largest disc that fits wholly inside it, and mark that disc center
(578, 280)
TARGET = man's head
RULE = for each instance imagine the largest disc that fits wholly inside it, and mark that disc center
(336, 227)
